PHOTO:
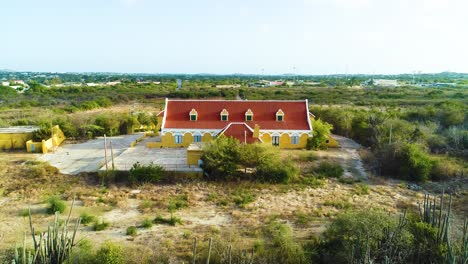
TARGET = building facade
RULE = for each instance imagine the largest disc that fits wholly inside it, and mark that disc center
(286, 124)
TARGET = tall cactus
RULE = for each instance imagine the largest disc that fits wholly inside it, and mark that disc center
(52, 247)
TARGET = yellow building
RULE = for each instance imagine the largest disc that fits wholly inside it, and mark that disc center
(286, 124)
(12, 138)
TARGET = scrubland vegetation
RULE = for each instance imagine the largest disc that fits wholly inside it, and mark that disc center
(254, 203)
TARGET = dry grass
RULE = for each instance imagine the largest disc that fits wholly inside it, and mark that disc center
(211, 209)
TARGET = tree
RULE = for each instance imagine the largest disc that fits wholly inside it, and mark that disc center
(321, 131)
(221, 158)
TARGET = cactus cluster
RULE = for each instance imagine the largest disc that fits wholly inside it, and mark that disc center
(51, 247)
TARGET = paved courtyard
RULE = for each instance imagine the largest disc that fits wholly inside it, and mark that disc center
(89, 156)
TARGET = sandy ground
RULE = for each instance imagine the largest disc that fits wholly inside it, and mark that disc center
(347, 154)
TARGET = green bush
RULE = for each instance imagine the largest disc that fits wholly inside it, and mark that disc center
(132, 231)
(110, 253)
(329, 170)
(146, 174)
(361, 189)
(242, 197)
(55, 204)
(321, 132)
(281, 246)
(100, 225)
(147, 223)
(172, 220)
(178, 202)
(87, 218)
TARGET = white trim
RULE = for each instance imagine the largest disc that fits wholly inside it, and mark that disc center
(307, 115)
(165, 114)
(235, 123)
(190, 131)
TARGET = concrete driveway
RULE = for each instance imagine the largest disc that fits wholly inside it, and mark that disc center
(89, 156)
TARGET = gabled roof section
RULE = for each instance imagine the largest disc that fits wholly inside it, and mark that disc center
(240, 131)
(176, 113)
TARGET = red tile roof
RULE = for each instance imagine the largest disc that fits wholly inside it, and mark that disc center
(241, 131)
(296, 114)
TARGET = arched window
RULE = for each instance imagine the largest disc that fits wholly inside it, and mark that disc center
(224, 115)
(193, 115)
(249, 115)
(280, 115)
(197, 137)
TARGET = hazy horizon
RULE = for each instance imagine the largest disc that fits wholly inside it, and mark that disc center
(303, 37)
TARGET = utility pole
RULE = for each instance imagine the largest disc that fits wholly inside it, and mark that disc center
(105, 157)
(112, 154)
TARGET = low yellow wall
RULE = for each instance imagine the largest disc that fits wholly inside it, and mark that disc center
(332, 143)
(56, 140)
(14, 141)
(33, 147)
(193, 156)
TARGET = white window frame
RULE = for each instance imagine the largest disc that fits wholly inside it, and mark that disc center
(178, 139)
(197, 138)
(275, 140)
(294, 139)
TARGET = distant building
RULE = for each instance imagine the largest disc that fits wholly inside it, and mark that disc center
(5, 83)
(385, 83)
(179, 84)
(113, 83)
(276, 83)
(92, 84)
(18, 82)
(228, 86)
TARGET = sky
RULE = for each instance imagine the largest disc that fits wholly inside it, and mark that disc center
(235, 36)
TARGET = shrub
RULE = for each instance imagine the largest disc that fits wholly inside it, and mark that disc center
(87, 218)
(146, 174)
(313, 181)
(307, 156)
(361, 189)
(55, 204)
(110, 253)
(147, 223)
(172, 220)
(242, 197)
(132, 231)
(24, 212)
(178, 202)
(277, 172)
(281, 246)
(321, 132)
(330, 170)
(100, 225)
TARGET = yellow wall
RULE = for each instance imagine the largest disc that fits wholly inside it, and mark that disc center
(33, 147)
(332, 143)
(193, 156)
(168, 141)
(57, 138)
(14, 141)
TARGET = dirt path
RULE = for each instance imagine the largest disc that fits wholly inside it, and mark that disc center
(348, 156)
